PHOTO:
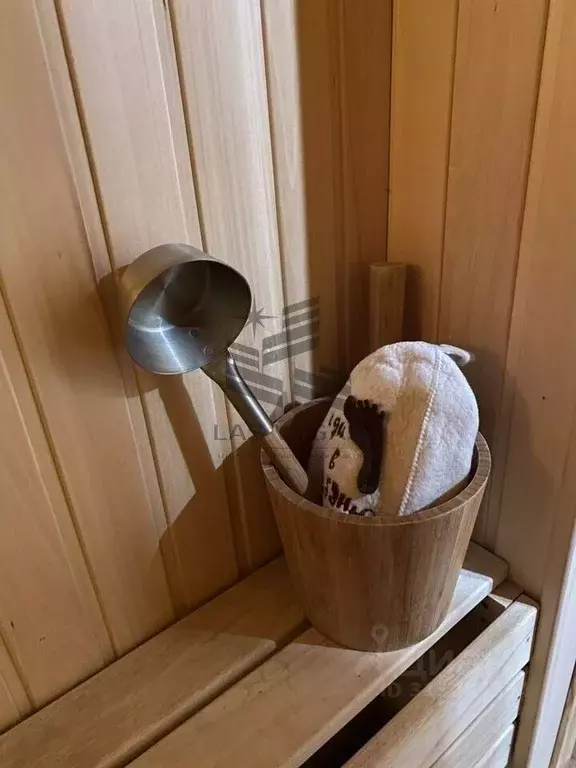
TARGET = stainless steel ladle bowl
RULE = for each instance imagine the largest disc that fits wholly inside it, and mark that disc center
(182, 310)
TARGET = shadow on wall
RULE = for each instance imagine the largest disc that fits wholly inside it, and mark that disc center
(340, 146)
(344, 57)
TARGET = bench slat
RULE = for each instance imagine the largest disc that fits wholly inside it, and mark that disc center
(117, 714)
(486, 730)
(282, 712)
(454, 699)
(499, 755)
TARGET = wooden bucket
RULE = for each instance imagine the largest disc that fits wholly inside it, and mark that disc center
(371, 583)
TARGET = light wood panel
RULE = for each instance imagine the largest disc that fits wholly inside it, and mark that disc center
(365, 48)
(541, 360)
(329, 90)
(423, 53)
(120, 712)
(221, 52)
(539, 407)
(276, 715)
(499, 755)
(49, 615)
(486, 730)
(81, 172)
(453, 700)
(497, 70)
(566, 741)
(222, 62)
(14, 701)
(137, 138)
(299, 51)
(67, 346)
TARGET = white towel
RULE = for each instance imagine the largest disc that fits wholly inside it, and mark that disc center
(418, 400)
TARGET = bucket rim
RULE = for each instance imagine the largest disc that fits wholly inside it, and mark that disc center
(475, 486)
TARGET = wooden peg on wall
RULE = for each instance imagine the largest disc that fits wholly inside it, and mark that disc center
(386, 303)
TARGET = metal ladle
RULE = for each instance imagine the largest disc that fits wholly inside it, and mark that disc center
(183, 309)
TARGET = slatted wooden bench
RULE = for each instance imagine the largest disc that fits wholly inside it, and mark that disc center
(244, 681)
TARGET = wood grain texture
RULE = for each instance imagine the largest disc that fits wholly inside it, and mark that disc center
(120, 712)
(312, 685)
(497, 70)
(81, 172)
(566, 741)
(554, 655)
(499, 755)
(539, 407)
(386, 304)
(14, 701)
(220, 47)
(223, 78)
(365, 52)
(300, 69)
(50, 618)
(61, 327)
(286, 463)
(423, 53)
(466, 686)
(427, 667)
(486, 729)
(139, 151)
(541, 360)
(339, 562)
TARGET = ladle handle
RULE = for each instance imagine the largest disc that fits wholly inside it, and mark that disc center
(224, 372)
(283, 458)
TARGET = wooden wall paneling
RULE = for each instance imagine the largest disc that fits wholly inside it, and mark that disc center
(365, 68)
(535, 530)
(14, 701)
(498, 61)
(127, 84)
(80, 168)
(541, 366)
(565, 746)
(49, 284)
(554, 653)
(222, 63)
(423, 53)
(129, 706)
(299, 51)
(49, 615)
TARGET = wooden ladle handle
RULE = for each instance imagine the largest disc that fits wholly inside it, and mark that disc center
(288, 466)
(225, 373)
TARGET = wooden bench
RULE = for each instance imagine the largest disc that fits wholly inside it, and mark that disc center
(244, 681)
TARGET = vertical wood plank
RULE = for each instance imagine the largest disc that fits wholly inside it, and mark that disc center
(299, 61)
(222, 63)
(14, 701)
(49, 614)
(79, 167)
(498, 61)
(50, 288)
(535, 530)
(366, 51)
(423, 52)
(565, 746)
(137, 137)
(497, 75)
(542, 358)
